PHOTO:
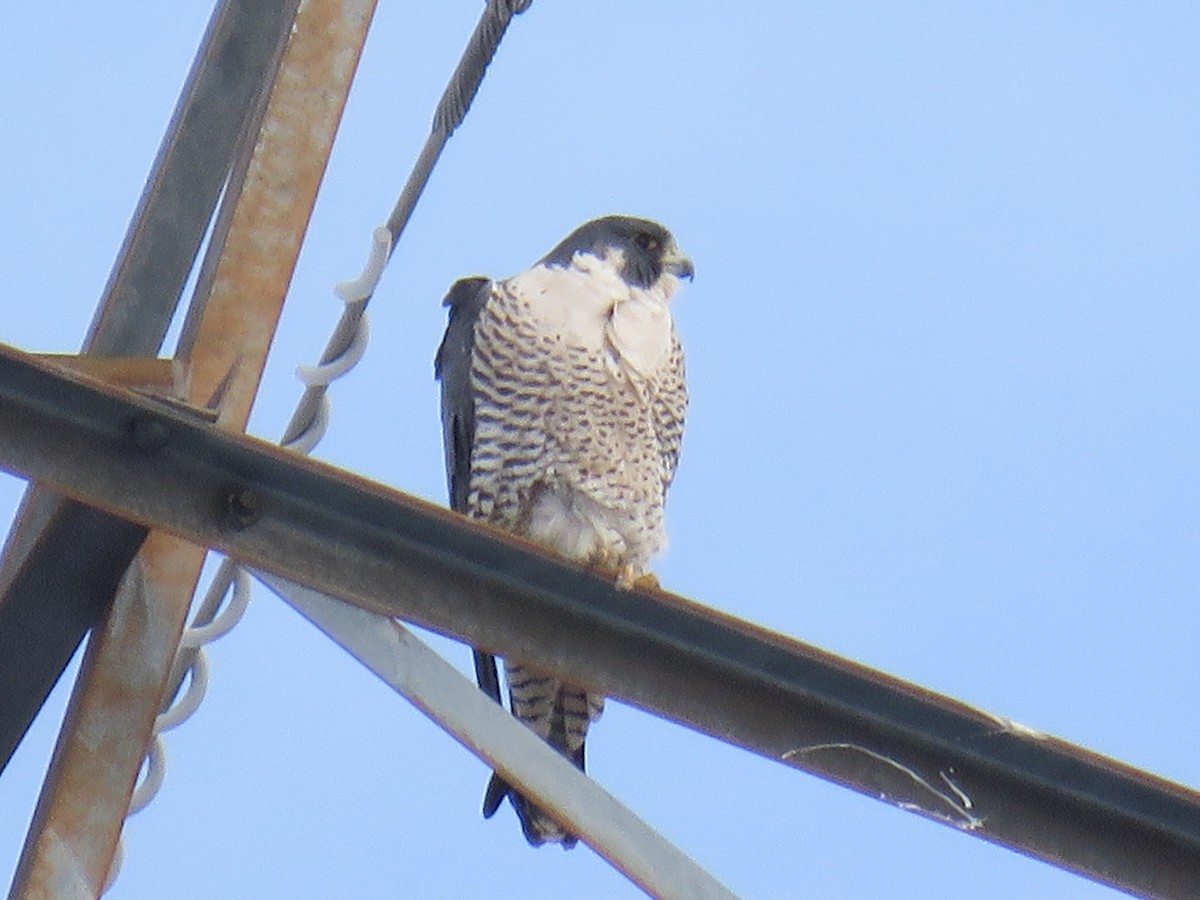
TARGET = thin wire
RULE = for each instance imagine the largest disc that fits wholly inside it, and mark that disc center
(451, 109)
(343, 351)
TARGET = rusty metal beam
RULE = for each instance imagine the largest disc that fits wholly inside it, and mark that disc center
(228, 333)
(278, 192)
(222, 95)
(146, 373)
(396, 555)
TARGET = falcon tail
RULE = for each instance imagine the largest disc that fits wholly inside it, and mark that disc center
(538, 827)
(560, 714)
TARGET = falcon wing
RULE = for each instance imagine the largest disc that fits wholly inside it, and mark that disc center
(670, 408)
(452, 367)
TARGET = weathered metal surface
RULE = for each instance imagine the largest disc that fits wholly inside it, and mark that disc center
(74, 834)
(228, 333)
(260, 235)
(161, 376)
(396, 555)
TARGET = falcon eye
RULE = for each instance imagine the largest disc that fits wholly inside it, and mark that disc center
(645, 241)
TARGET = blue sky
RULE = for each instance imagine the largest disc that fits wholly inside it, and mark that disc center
(942, 353)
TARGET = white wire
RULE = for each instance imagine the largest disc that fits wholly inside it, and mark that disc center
(322, 375)
(362, 287)
(183, 707)
(223, 622)
(304, 442)
(156, 771)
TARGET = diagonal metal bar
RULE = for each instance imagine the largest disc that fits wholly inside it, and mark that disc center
(435, 687)
(788, 701)
(240, 50)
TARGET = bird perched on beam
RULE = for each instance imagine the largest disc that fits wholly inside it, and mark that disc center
(563, 401)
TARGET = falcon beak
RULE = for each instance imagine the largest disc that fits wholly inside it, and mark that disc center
(677, 264)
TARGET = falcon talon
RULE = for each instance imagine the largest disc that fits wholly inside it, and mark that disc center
(626, 580)
(647, 582)
(563, 401)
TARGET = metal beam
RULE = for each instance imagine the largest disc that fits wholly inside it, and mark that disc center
(222, 95)
(231, 323)
(788, 701)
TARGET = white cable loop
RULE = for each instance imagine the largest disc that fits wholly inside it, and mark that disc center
(353, 293)
(155, 765)
(304, 442)
(223, 622)
(156, 772)
(324, 373)
(183, 707)
(362, 287)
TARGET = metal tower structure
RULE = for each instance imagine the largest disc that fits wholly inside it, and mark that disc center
(138, 466)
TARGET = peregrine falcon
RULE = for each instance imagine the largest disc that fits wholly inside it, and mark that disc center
(563, 401)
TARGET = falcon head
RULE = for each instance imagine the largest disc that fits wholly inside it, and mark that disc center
(641, 251)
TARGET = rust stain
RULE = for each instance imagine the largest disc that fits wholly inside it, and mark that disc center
(276, 203)
(158, 375)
